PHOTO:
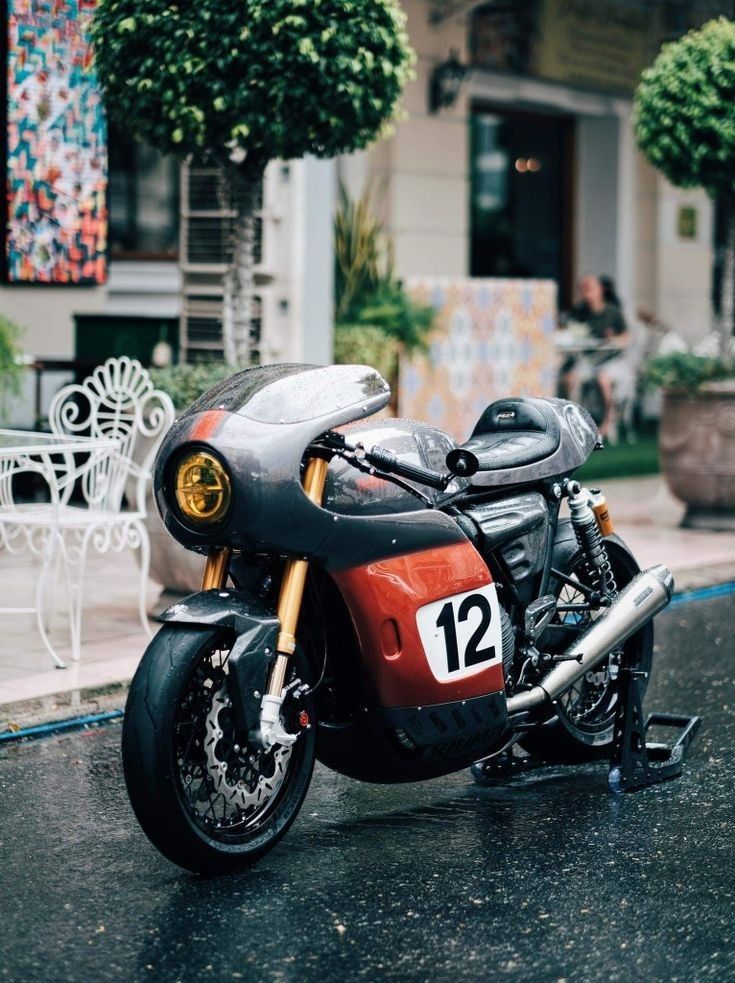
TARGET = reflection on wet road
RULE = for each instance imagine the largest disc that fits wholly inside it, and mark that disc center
(547, 877)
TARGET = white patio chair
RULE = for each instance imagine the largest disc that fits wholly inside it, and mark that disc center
(116, 401)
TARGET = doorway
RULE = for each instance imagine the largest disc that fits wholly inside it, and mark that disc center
(521, 196)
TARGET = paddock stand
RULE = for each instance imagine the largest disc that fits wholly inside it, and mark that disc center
(635, 763)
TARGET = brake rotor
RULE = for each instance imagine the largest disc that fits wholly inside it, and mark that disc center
(246, 777)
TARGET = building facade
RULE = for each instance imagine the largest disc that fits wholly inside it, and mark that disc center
(533, 170)
(529, 169)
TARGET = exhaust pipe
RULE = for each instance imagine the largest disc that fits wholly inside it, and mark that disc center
(647, 594)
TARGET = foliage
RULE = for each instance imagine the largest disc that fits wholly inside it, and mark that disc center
(368, 297)
(360, 344)
(262, 78)
(684, 111)
(685, 370)
(391, 309)
(362, 254)
(11, 365)
(185, 383)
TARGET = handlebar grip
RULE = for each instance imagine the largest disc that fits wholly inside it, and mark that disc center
(387, 461)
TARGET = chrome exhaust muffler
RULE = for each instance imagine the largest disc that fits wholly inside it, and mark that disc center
(647, 594)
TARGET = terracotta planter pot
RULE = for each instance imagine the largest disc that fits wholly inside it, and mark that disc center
(697, 450)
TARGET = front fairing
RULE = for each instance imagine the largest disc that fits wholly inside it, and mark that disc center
(259, 422)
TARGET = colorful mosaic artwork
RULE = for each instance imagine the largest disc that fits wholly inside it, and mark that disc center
(57, 157)
(492, 338)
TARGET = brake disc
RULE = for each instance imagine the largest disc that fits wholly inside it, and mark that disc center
(247, 778)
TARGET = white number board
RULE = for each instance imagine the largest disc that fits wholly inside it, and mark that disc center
(461, 634)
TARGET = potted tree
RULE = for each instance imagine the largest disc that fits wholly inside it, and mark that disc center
(239, 83)
(243, 82)
(684, 120)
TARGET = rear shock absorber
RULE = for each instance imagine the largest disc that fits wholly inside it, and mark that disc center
(587, 531)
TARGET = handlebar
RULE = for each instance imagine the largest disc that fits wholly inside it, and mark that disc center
(387, 461)
(460, 462)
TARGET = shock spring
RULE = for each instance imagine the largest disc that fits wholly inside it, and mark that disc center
(590, 540)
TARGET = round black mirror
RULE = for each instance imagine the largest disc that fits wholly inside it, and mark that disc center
(462, 463)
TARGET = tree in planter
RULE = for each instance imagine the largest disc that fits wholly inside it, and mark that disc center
(243, 82)
(684, 119)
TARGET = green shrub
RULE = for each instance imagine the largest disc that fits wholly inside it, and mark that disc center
(185, 383)
(684, 370)
(265, 78)
(11, 365)
(364, 344)
(238, 83)
(684, 110)
(374, 314)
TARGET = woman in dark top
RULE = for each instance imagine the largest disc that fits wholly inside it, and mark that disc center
(605, 322)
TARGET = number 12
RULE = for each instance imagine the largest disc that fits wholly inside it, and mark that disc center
(472, 654)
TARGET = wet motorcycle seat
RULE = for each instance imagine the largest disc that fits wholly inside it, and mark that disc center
(514, 432)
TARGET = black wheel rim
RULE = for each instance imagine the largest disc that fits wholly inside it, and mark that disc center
(587, 709)
(228, 803)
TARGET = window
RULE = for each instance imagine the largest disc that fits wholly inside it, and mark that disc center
(143, 200)
(520, 209)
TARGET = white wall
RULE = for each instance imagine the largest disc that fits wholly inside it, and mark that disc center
(421, 173)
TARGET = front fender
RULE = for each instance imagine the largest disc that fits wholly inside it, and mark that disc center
(255, 627)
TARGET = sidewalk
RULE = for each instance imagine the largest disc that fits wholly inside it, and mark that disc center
(645, 515)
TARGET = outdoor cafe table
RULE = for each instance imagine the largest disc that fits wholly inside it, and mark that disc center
(58, 462)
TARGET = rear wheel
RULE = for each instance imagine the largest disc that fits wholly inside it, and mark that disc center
(582, 727)
(208, 798)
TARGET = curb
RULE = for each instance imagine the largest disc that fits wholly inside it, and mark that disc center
(98, 706)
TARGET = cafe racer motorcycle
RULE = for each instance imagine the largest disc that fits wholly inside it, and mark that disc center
(375, 596)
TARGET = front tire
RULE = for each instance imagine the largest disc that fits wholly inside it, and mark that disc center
(206, 798)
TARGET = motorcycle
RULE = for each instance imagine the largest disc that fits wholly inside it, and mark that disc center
(377, 597)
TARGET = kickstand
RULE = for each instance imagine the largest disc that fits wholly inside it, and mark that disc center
(635, 763)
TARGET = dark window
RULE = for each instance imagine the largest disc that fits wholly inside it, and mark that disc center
(143, 200)
(520, 207)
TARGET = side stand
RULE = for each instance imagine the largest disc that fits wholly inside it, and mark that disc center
(635, 763)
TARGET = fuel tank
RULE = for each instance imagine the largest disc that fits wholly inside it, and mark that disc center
(350, 492)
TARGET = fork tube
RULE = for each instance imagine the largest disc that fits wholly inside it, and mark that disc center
(217, 568)
(292, 585)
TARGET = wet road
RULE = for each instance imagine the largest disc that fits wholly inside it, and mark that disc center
(547, 877)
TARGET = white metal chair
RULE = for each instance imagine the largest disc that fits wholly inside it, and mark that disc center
(117, 401)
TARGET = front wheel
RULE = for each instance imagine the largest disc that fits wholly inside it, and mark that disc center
(207, 798)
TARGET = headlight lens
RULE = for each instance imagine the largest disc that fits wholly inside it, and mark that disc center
(203, 489)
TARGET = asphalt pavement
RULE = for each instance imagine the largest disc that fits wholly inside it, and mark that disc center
(543, 877)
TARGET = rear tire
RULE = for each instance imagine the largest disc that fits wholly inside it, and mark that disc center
(561, 739)
(178, 732)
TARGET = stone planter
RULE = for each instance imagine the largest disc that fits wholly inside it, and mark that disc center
(697, 449)
(179, 571)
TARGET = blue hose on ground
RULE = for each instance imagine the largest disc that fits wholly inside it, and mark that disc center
(59, 726)
(702, 594)
(91, 720)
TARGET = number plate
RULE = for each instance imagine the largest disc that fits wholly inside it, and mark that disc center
(461, 634)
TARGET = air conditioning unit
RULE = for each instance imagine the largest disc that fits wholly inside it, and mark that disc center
(206, 236)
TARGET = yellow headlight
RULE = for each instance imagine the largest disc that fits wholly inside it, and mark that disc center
(203, 488)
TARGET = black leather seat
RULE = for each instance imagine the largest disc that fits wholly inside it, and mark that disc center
(514, 432)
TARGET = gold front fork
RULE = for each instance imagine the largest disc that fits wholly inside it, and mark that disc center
(216, 569)
(292, 586)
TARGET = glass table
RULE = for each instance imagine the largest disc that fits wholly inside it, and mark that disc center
(58, 462)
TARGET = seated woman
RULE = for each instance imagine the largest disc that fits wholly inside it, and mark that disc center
(605, 322)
